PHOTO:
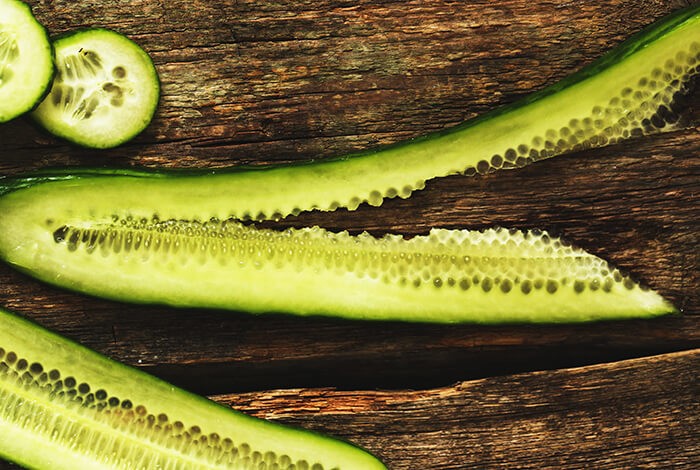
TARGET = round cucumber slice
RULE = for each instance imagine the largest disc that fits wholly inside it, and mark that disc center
(105, 91)
(26, 60)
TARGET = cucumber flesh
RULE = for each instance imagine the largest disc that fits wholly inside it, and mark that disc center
(67, 407)
(26, 60)
(101, 235)
(105, 91)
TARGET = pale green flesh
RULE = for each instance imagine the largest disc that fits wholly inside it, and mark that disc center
(26, 60)
(69, 233)
(105, 91)
(152, 424)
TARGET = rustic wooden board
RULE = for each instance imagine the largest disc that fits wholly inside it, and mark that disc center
(641, 413)
(260, 82)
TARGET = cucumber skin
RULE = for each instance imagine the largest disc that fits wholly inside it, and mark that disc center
(36, 344)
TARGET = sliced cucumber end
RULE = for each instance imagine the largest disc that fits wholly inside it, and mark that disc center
(26, 60)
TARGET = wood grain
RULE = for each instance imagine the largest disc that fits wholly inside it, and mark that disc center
(641, 413)
(265, 82)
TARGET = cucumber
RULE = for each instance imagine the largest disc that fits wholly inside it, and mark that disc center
(105, 91)
(26, 60)
(639, 87)
(63, 406)
(100, 235)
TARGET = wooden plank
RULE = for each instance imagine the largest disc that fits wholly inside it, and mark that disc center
(262, 82)
(641, 413)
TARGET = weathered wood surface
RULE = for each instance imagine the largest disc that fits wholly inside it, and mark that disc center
(641, 413)
(259, 82)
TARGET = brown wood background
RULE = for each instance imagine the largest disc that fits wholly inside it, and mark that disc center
(273, 81)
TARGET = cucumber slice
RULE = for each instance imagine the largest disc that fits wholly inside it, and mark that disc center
(105, 91)
(107, 236)
(26, 60)
(63, 406)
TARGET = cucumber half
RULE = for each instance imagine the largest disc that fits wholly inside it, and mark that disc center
(63, 406)
(105, 91)
(26, 60)
(640, 87)
(119, 237)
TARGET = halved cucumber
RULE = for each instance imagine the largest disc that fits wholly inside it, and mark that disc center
(107, 236)
(26, 60)
(105, 91)
(638, 88)
(63, 406)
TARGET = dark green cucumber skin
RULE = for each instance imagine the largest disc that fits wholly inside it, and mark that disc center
(98, 365)
(47, 90)
(628, 47)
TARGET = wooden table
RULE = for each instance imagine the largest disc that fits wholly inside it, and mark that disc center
(259, 82)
